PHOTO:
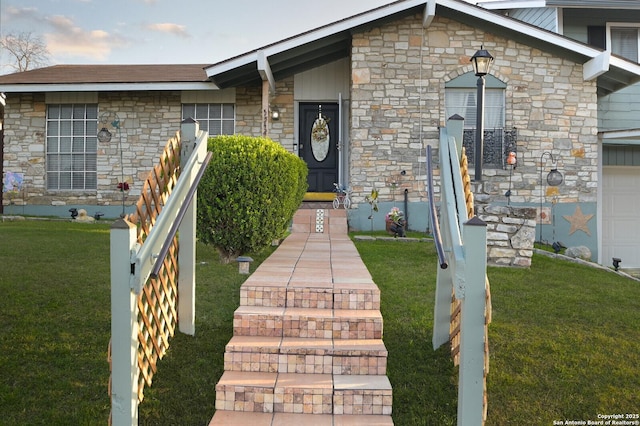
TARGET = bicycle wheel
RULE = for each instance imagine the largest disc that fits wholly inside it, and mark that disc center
(336, 203)
(347, 202)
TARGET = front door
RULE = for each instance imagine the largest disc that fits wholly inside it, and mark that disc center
(318, 147)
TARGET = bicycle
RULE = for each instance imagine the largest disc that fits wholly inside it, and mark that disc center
(342, 197)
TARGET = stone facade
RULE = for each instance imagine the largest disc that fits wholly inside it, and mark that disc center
(511, 232)
(148, 119)
(398, 106)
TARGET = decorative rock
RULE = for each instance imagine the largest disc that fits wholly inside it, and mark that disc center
(578, 252)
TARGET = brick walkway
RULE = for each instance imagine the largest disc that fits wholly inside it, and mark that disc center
(307, 346)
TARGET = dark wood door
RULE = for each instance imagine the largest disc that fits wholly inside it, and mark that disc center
(319, 140)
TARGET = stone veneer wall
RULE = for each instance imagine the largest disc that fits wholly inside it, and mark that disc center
(148, 119)
(547, 100)
(249, 105)
(511, 232)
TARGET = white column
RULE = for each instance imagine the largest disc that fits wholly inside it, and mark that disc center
(472, 321)
(124, 327)
(187, 233)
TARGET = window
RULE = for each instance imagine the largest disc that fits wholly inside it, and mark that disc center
(623, 39)
(72, 146)
(217, 119)
(461, 99)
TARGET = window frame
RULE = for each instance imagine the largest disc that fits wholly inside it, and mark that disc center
(497, 138)
(71, 147)
(222, 119)
(609, 39)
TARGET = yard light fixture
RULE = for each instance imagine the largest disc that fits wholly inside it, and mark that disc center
(554, 178)
(616, 263)
(481, 61)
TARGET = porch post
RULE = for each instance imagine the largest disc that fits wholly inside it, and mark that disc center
(187, 232)
(265, 108)
(124, 327)
(472, 323)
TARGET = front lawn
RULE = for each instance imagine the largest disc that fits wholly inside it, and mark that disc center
(565, 339)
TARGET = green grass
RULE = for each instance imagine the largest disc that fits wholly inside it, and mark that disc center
(565, 338)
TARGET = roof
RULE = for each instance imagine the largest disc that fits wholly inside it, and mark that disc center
(317, 47)
(106, 77)
(332, 42)
(581, 4)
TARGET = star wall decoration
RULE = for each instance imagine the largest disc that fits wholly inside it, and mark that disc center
(579, 221)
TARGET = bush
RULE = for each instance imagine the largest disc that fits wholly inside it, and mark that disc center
(248, 194)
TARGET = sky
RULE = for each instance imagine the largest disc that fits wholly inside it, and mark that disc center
(164, 31)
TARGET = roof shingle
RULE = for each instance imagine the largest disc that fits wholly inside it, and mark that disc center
(96, 74)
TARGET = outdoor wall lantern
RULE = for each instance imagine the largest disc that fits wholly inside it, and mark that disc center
(481, 61)
(554, 178)
(275, 113)
(104, 135)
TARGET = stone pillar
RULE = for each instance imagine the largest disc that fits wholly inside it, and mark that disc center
(511, 232)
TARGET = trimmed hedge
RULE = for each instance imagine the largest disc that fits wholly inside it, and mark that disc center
(248, 194)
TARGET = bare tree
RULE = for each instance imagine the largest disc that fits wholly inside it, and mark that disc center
(26, 50)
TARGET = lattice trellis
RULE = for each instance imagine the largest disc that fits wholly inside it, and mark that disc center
(158, 300)
(456, 307)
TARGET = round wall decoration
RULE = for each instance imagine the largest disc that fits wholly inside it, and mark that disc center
(320, 138)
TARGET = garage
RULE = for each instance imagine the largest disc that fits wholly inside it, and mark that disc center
(621, 215)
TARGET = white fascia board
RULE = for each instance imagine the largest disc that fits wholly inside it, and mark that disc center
(265, 70)
(597, 66)
(512, 4)
(429, 13)
(108, 87)
(624, 64)
(612, 135)
(311, 36)
(514, 25)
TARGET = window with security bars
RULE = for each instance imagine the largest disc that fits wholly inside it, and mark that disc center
(217, 119)
(497, 141)
(71, 146)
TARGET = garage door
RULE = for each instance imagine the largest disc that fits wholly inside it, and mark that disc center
(621, 215)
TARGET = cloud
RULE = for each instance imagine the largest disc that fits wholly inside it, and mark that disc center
(174, 29)
(22, 13)
(69, 40)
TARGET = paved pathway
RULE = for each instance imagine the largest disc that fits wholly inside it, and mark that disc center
(307, 346)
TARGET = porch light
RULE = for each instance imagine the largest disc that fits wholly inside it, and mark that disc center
(275, 113)
(481, 61)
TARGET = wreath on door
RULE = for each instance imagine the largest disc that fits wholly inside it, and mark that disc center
(320, 138)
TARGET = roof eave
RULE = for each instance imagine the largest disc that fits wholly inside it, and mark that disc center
(106, 87)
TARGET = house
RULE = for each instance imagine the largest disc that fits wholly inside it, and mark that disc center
(359, 100)
(613, 26)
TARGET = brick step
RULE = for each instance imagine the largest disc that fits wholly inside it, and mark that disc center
(307, 322)
(330, 221)
(237, 418)
(304, 393)
(310, 356)
(346, 295)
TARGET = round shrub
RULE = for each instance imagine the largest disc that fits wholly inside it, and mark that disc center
(248, 194)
